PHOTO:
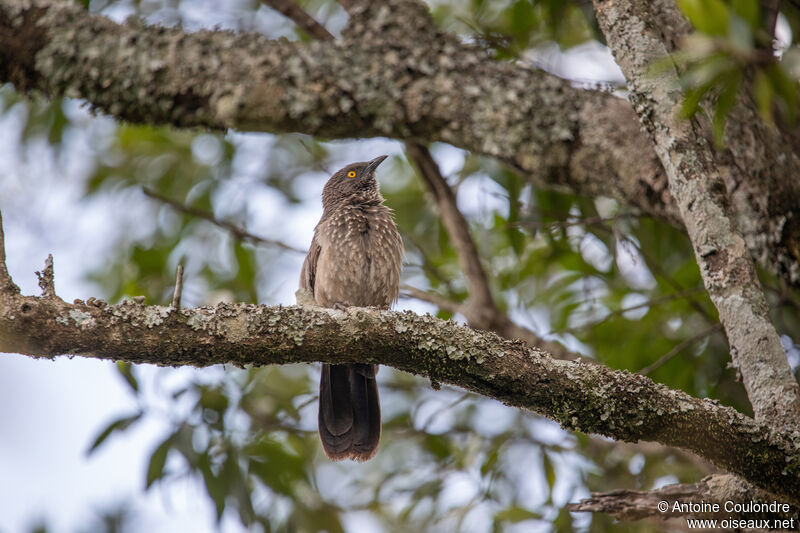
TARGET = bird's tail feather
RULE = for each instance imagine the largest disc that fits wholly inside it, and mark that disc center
(349, 411)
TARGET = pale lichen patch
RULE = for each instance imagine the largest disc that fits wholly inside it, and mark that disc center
(155, 315)
(82, 320)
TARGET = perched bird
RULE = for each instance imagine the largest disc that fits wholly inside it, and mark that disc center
(354, 260)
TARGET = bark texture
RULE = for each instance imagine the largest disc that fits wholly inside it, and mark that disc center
(629, 505)
(581, 397)
(393, 73)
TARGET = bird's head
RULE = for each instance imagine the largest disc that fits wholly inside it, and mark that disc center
(354, 184)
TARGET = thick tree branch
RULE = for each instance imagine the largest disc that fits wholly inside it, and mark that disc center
(630, 505)
(392, 74)
(588, 398)
(635, 32)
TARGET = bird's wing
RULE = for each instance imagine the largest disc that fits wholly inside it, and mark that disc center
(309, 272)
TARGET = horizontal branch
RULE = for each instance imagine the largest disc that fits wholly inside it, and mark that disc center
(581, 397)
(628, 505)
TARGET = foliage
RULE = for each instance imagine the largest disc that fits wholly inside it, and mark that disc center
(732, 54)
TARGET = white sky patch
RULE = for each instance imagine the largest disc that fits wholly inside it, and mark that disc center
(207, 149)
(492, 418)
(633, 267)
(479, 197)
(595, 252)
(633, 299)
(663, 481)
(674, 323)
(587, 62)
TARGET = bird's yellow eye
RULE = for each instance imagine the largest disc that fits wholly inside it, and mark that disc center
(351, 174)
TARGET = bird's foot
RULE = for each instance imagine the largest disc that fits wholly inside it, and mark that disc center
(340, 306)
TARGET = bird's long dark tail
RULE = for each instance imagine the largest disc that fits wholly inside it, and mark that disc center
(349, 411)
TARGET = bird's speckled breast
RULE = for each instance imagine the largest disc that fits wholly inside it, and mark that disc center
(360, 258)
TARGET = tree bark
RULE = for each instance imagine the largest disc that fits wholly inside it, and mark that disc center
(629, 505)
(581, 397)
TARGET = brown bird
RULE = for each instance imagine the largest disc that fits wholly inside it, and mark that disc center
(354, 260)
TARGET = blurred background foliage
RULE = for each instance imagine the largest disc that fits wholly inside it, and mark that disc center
(237, 211)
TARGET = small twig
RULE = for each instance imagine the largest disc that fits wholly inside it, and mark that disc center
(439, 301)
(46, 278)
(678, 348)
(429, 267)
(176, 296)
(617, 312)
(572, 221)
(235, 230)
(292, 11)
(463, 397)
(7, 285)
(348, 5)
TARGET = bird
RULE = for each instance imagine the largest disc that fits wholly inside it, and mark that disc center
(355, 259)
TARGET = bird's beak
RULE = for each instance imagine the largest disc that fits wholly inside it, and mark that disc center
(373, 165)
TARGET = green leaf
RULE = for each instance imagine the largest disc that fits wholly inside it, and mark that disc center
(786, 88)
(549, 470)
(727, 98)
(515, 514)
(214, 484)
(119, 424)
(276, 465)
(708, 16)
(749, 11)
(155, 470)
(490, 462)
(126, 370)
(692, 99)
(763, 94)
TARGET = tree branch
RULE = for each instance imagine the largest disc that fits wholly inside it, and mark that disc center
(176, 295)
(481, 308)
(726, 267)
(292, 11)
(628, 505)
(7, 285)
(678, 348)
(588, 398)
(509, 330)
(46, 278)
